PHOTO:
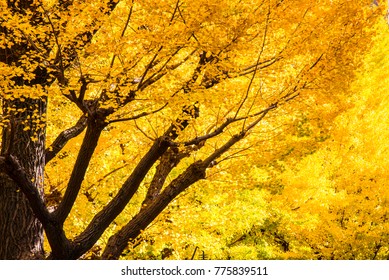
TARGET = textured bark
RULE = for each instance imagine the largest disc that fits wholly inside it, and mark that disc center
(21, 233)
(23, 139)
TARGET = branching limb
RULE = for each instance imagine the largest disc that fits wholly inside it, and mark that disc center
(175, 11)
(167, 162)
(149, 66)
(119, 241)
(220, 129)
(195, 172)
(123, 31)
(165, 68)
(54, 231)
(104, 218)
(11, 166)
(144, 133)
(217, 131)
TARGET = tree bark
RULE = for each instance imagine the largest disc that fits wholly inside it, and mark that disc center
(21, 233)
(23, 138)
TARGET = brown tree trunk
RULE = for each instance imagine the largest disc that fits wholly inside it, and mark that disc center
(23, 138)
(21, 234)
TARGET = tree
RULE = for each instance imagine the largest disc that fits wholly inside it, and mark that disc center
(185, 85)
(332, 204)
(346, 191)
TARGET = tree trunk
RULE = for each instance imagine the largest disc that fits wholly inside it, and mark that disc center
(21, 234)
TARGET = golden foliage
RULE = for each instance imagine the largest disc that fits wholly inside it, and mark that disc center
(268, 76)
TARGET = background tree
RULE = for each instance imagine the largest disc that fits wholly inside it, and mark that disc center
(332, 204)
(346, 190)
(166, 92)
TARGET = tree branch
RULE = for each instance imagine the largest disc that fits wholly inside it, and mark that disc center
(15, 171)
(149, 67)
(84, 157)
(119, 241)
(104, 218)
(195, 172)
(256, 68)
(200, 139)
(143, 114)
(71, 51)
(64, 137)
(165, 68)
(260, 65)
(168, 161)
(60, 245)
(123, 31)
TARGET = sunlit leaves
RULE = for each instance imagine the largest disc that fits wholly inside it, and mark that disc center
(337, 198)
(272, 74)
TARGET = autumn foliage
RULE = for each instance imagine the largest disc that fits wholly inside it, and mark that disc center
(151, 129)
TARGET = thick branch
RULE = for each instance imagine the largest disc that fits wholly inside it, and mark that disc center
(104, 218)
(118, 242)
(168, 161)
(195, 172)
(84, 157)
(58, 242)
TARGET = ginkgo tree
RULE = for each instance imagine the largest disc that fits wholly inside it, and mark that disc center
(165, 92)
(346, 191)
(333, 203)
